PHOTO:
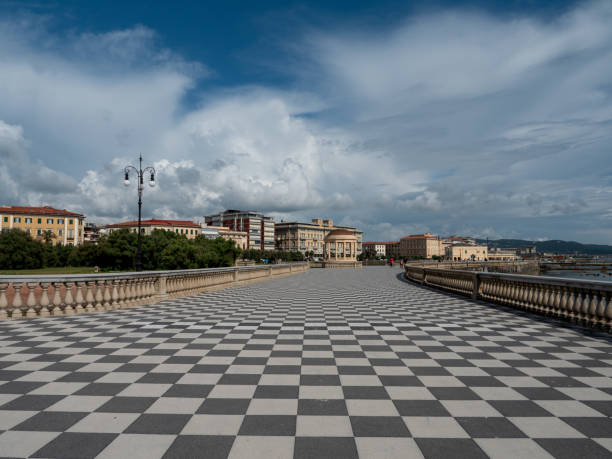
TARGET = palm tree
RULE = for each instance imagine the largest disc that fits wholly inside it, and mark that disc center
(47, 236)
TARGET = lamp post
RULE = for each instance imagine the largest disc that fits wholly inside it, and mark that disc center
(140, 175)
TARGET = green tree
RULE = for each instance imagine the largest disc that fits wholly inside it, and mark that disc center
(19, 251)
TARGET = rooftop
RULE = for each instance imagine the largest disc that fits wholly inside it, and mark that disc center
(155, 222)
(45, 210)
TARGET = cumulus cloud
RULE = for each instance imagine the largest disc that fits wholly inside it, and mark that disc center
(451, 122)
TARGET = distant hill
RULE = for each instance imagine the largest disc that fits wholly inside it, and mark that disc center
(555, 246)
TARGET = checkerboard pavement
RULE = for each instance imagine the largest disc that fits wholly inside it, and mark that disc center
(327, 364)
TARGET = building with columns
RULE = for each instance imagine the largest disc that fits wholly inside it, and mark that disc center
(309, 237)
(65, 227)
(340, 245)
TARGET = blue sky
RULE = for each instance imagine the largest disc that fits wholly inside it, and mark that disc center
(483, 118)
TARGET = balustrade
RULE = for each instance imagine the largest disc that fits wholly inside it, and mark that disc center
(587, 302)
(51, 296)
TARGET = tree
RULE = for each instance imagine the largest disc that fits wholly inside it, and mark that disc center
(19, 251)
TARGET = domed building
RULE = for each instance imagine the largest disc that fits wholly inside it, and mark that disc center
(340, 247)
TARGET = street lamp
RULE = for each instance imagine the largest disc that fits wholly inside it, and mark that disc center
(140, 173)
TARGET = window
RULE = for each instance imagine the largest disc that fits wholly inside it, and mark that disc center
(5, 219)
(71, 222)
(59, 232)
(28, 220)
(50, 220)
(28, 230)
(60, 221)
(17, 219)
(39, 232)
(39, 221)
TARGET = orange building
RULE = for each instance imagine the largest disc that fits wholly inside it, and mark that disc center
(421, 246)
(185, 227)
(64, 227)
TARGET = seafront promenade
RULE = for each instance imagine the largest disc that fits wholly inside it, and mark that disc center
(329, 363)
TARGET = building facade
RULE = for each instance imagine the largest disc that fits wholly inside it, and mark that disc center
(259, 228)
(340, 245)
(459, 252)
(421, 246)
(497, 254)
(59, 226)
(310, 237)
(382, 249)
(186, 228)
(91, 233)
(240, 238)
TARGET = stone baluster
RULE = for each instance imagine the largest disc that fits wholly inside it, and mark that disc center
(31, 301)
(89, 297)
(106, 306)
(595, 299)
(57, 299)
(122, 294)
(601, 309)
(608, 311)
(563, 303)
(115, 294)
(68, 299)
(79, 299)
(16, 312)
(3, 301)
(139, 291)
(99, 298)
(127, 300)
(44, 299)
(585, 306)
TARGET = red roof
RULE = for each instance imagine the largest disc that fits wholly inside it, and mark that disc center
(45, 210)
(380, 243)
(420, 236)
(155, 222)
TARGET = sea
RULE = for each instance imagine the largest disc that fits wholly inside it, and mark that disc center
(595, 273)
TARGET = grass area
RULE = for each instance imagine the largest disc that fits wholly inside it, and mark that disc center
(64, 270)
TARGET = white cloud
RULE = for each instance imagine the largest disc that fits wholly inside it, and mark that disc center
(449, 117)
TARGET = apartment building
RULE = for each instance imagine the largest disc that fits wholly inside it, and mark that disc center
(187, 228)
(259, 228)
(309, 237)
(421, 246)
(497, 254)
(59, 226)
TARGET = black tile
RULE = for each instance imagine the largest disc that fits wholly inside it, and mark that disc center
(319, 380)
(81, 376)
(400, 381)
(11, 375)
(325, 448)
(541, 393)
(480, 381)
(32, 402)
(282, 370)
(277, 392)
(570, 448)
(453, 393)
(102, 389)
(503, 371)
(444, 448)
(603, 406)
(250, 361)
(493, 427)
(136, 367)
(238, 378)
(379, 426)
(365, 392)
(20, 387)
(76, 445)
(591, 427)
(318, 361)
(518, 408)
(214, 369)
(159, 424)
(127, 405)
(430, 371)
(420, 408)
(189, 390)
(195, 446)
(356, 370)
(560, 381)
(268, 425)
(224, 406)
(160, 378)
(322, 407)
(65, 366)
(51, 421)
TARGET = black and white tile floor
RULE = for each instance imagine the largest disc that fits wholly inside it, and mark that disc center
(328, 364)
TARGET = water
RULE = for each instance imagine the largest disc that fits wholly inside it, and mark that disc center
(587, 274)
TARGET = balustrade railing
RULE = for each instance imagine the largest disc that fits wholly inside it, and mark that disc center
(50, 295)
(585, 301)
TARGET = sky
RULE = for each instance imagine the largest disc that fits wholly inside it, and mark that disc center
(476, 118)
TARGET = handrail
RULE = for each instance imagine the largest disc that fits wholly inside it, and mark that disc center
(586, 301)
(55, 295)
